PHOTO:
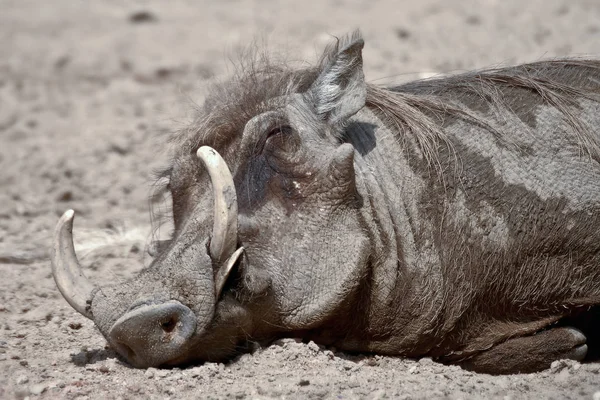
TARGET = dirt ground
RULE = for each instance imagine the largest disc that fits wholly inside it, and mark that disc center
(89, 92)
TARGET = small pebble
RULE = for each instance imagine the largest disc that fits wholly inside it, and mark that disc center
(312, 346)
(142, 16)
(426, 361)
(150, 372)
(37, 389)
(162, 373)
(556, 366)
(563, 376)
(75, 325)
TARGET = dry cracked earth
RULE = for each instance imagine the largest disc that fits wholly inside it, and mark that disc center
(90, 92)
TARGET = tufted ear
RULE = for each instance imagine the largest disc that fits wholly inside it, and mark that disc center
(340, 90)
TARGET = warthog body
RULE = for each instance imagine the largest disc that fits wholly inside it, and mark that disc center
(457, 218)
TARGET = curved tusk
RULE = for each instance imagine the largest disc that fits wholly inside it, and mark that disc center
(71, 282)
(224, 236)
(224, 270)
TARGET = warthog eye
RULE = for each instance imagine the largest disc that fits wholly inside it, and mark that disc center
(279, 129)
(280, 138)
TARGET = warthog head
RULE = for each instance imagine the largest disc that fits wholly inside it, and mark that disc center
(268, 237)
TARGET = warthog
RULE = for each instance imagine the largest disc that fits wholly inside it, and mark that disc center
(456, 218)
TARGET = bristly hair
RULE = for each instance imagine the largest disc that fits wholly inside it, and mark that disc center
(559, 83)
(229, 105)
(418, 109)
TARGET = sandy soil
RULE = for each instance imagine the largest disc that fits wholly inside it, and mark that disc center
(88, 95)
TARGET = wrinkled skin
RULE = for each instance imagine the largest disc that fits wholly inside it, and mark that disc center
(353, 238)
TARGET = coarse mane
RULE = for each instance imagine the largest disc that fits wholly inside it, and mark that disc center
(418, 108)
(230, 105)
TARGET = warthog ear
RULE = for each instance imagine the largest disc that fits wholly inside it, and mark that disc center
(340, 90)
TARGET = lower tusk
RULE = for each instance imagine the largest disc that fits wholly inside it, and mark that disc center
(71, 282)
(225, 270)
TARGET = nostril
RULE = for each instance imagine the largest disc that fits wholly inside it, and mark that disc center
(169, 325)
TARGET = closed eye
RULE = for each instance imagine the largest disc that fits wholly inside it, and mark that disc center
(281, 129)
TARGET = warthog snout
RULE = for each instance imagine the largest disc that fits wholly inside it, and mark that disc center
(153, 334)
